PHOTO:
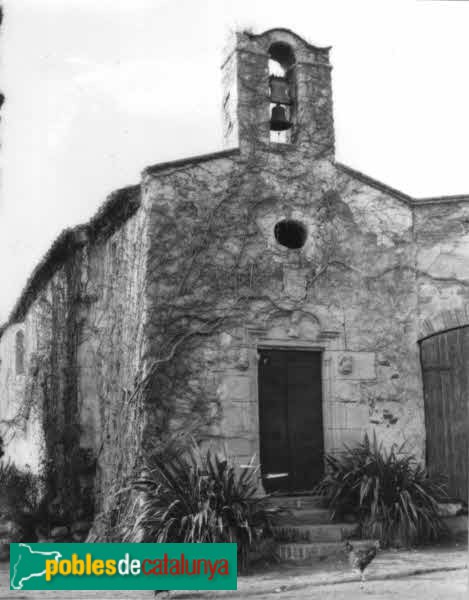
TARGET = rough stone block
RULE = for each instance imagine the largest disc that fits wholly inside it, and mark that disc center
(239, 418)
(346, 390)
(457, 526)
(10, 530)
(294, 282)
(348, 416)
(239, 447)
(235, 387)
(59, 532)
(337, 438)
(303, 552)
(362, 368)
(81, 526)
(328, 532)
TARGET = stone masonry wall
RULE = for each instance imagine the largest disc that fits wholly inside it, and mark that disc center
(218, 271)
(109, 354)
(20, 424)
(442, 259)
(73, 409)
(195, 282)
(44, 407)
(150, 317)
(180, 204)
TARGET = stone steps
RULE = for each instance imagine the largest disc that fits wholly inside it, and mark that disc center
(299, 502)
(330, 532)
(305, 516)
(304, 530)
(303, 552)
(457, 526)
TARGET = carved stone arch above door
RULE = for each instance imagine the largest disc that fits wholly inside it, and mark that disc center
(444, 320)
(290, 326)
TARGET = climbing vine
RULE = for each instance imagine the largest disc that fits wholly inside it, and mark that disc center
(129, 327)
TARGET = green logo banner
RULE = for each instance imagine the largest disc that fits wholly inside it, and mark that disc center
(123, 566)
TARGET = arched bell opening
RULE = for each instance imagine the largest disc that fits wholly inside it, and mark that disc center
(282, 92)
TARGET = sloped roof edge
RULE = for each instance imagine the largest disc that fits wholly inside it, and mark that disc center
(171, 164)
(397, 193)
(119, 206)
(374, 183)
(441, 199)
(116, 210)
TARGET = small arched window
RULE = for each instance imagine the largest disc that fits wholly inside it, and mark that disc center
(19, 351)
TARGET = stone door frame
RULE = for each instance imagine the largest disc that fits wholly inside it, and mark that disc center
(256, 339)
(345, 417)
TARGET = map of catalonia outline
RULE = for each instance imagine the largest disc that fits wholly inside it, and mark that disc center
(18, 585)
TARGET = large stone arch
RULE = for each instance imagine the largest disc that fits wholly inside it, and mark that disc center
(444, 320)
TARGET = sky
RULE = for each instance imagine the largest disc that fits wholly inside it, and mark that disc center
(96, 90)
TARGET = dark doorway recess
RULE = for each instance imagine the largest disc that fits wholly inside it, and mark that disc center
(290, 419)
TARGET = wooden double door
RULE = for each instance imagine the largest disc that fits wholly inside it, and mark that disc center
(290, 419)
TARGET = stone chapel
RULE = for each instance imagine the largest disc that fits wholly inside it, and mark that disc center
(267, 298)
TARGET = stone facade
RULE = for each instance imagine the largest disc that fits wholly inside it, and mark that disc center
(22, 426)
(148, 320)
(67, 417)
(442, 242)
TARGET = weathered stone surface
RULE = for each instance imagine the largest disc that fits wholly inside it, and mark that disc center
(442, 259)
(338, 438)
(457, 526)
(10, 530)
(23, 444)
(59, 532)
(348, 415)
(451, 509)
(192, 282)
(302, 552)
(239, 418)
(328, 532)
(85, 363)
(295, 284)
(346, 390)
(80, 526)
(360, 365)
(346, 364)
(234, 388)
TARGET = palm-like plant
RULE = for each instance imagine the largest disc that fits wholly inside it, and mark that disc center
(20, 496)
(200, 497)
(392, 496)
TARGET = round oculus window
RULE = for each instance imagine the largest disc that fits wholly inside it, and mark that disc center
(290, 233)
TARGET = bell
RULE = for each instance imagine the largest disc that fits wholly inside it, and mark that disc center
(279, 90)
(279, 121)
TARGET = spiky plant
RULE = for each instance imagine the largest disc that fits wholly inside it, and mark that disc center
(391, 494)
(195, 496)
(20, 496)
